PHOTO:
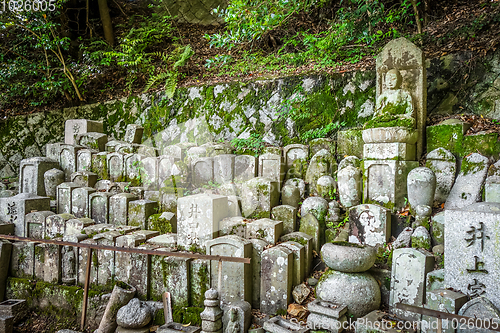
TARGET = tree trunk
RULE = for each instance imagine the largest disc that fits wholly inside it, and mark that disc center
(417, 16)
(106, 22)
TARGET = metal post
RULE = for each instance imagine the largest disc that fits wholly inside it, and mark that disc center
(86, 288)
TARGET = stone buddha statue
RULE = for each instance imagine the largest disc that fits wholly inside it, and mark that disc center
(233, 326)
(394, 106)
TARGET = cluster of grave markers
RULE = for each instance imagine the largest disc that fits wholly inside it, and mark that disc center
(128, 194)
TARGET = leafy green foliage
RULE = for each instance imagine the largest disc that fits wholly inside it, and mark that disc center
(253, 144)
(34, 58)
(136, 53)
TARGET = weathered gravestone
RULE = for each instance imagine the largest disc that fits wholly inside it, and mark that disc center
(305, 240)
(349, 183)
(67, 159)
(236, 281)
(35, 224)
(421, 186)
(321, 164)
(139, 212)
(64, 196)
(299, 258)
(288, 215)
(55, 225)
(31, 174)
(132, 168)
(149, 172)
(92, 140)
(84, 178)
(80, 201)
(165, 164)
(52, 179)
(133, 133)
(276, 279)
(170, 274)
(198, 218)
(99, 206)
(408, 278)
(272, 166)
(245, 168)
(258, 246)
(443, 163)
(203, 171)
(119, 207)
(258, 197)
(115, 167)
(369, 224)
(265, 229)
(472, 252)
(224, 168)
(84, 159)
(479, 308)
(295, 152)
(444, 301)
(100, 165)
(468, 185)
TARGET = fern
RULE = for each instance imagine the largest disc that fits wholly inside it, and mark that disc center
(153, 80)
(186, 54)
(171, 85)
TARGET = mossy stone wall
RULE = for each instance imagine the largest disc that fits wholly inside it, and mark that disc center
(283, 110)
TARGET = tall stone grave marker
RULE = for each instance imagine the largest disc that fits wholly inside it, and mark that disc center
(444, 165)
(198, 218)
(236, 277)
(472, 265)
(408, 279)
(276, 279)
(73, 127)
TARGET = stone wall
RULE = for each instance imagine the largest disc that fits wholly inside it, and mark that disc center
(457, 84)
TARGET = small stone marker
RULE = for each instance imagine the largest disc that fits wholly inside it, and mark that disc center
(421, 186)
(312, 227)
(100, 165)
(170, 273)
(471, 264)
(272, 166)
(443, 163)
(294, 152)
(84, 159)
(321, 164)
(445, 301)
(288, 215)
(258, 246)
(92, 140)
(52, 179)
(31, 174)
(165, 164)
(55, 225)
(198, 218)
(290, 196)
(149, 172)
(265, 229)
(237, 317)
(276, 279)
(67, 159)
(349, 183)
(298, 261)
(258, 197)
(369, 224)
(203, 171)
(84, 178)
(139, 212)
(467, 187)
(115, 167)
(236, 277)
(35, 224)
(133, 133)
(132, 167)
(305, 240)
(408, 278)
